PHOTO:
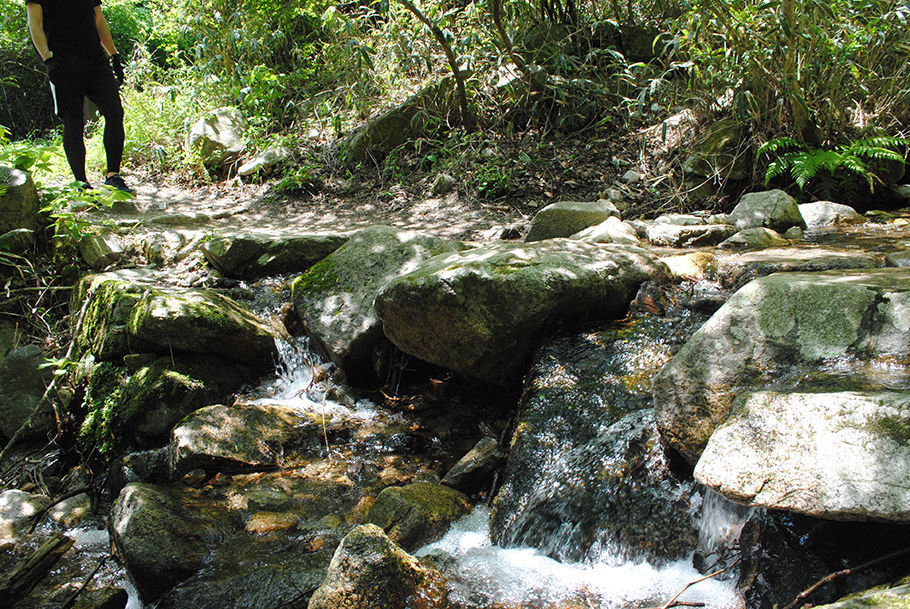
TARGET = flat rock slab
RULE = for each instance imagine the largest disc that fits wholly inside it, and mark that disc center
(688, 235)
(736, 270)
(843, 455)
(256, 254)
(792, 326)
(478, 312)
(246, 436)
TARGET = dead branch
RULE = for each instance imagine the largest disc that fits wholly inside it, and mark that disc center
(28, 572)
(805, 594)
(672, 602)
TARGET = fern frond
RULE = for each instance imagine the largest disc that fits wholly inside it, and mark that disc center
(855, 165)
(806, 165)
(884, 141)
(778, 144)
(775, 169)
(873, 152)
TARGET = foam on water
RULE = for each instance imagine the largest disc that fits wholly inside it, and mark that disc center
(483, 573)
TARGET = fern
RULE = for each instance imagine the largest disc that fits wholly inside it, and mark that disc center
(806, 164)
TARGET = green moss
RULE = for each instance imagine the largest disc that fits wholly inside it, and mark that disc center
(321, 277)
(898, 429)
(99, 430)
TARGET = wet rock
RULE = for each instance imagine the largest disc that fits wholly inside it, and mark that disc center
(782, 328)
(831, 455)
(73, 511)
(733, 271)
(693, 266)
(140, 409)
(772, 209)
(23, 381)
(901, 259)
(252, 255)
(19, 207)
(828, 213)
(266, 159)
(16, 511)
(566, 218)
(585, 466)
(279, 574)
(369, 571)
(611, 230)
(688, 235)
(217, 137)
(335, 297)
(100, 250)
(225, 438)
(474, 470)
(479, 312)
(717, 153)
(753, 238)
(612, 496)
(417, 514)
(160, 540)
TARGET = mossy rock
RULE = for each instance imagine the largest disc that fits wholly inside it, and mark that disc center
(419, 513)
(256, 254)
(718, 152)
(334, 298)
(127, 410)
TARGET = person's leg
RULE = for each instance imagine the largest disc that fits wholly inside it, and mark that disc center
(103, 91)
(68, 105)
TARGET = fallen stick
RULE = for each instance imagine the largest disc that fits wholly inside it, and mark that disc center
(802, 596)
(25, 574)
(672, 602)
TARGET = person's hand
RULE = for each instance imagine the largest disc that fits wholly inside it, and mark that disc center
(117, 66)
(54, 71)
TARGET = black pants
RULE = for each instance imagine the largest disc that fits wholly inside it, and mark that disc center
(90, 77)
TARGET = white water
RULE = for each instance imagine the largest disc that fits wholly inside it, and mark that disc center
(483, 574)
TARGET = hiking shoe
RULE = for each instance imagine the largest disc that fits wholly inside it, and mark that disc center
(83, 186)
(117, 182)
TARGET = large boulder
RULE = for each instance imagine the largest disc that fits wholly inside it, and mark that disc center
(479, 312)
(369, 571)
(586, 470)
(772, 209)
(334, 298)
(417, 514)
(203, 321)
(126, 314)
(881, 597)
(784, 325)
(565, 218)
(23, 381)
(19, 207)
(256, 254)
(838, 455)
(217, 137)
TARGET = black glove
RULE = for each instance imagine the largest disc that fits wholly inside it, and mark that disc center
(117, 66)
(54, 71)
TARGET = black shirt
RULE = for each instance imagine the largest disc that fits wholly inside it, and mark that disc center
(70, 26)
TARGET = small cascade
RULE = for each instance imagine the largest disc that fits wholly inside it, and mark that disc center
(720, 525)
(482, 574)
